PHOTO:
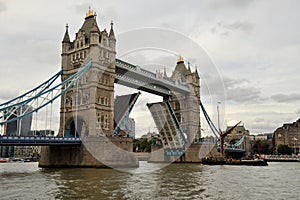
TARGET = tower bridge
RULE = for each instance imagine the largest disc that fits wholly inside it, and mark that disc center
(88, 109)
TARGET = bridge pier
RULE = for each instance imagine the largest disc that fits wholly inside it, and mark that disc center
(102, 152)
(193, 154)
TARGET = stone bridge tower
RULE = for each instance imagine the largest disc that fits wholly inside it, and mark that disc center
(186, 107)
(87, 109)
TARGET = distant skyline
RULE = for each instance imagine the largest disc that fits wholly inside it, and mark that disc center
(253, 45)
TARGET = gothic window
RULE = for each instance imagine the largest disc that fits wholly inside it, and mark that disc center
(105, 41)
(81, 43)
(177, 106)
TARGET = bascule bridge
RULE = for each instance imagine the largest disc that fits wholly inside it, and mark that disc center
(88, 110)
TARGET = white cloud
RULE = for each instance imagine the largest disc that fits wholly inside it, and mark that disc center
(286, 98)
(2, 7)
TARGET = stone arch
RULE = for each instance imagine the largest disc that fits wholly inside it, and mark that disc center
(76, 127)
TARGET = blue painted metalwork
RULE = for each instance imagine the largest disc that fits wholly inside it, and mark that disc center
(49, 82)
(68, 83)
(178, 130)
(210, 122)
(38, 141)
(9, 105)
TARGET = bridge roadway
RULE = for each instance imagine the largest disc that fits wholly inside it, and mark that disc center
(38, 141)
(126, 74)
(136, 77)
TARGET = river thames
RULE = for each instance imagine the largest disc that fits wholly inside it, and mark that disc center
(176, 181)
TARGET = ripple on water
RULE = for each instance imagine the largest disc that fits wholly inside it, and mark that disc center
(176, 181)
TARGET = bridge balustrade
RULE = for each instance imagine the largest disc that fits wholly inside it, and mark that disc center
(38, 140)
(148, 74)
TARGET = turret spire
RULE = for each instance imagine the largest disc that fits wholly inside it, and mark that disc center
(89, 13)
(111, 32)
(66, 36)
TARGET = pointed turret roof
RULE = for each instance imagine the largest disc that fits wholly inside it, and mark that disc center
(95, 28)
(196, 73)
(165, 72)
(180, 67)
(111, 32)
(66, 36)
(90, 24)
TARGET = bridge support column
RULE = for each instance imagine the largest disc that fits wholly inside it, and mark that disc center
(94, 152)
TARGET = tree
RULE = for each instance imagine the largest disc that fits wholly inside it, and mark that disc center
(284, 149)
(261, 147)
(142, 145)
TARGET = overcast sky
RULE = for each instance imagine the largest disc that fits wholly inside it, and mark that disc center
(251, 47)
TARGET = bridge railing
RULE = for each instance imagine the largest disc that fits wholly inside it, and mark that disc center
(142, 83)
(37, 140)
(144, 72)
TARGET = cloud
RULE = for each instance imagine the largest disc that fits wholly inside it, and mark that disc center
(82, 8)
(2, 7)
(228, 4)
(236, 90)
(286, 98)
(223, 28)
(7, 94)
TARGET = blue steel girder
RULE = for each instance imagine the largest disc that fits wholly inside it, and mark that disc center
(41, 99)
(133, 76)
(38, 141)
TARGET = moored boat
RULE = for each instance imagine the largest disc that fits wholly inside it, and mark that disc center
(4, 160)
(213, 161)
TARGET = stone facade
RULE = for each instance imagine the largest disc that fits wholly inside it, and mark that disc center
(186, 107)
(288, 134)
(236, 134)
(87, 108)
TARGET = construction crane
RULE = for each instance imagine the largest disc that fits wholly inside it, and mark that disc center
(223, 135)
(216, 132)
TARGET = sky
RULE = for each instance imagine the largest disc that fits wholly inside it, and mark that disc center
(246, 52)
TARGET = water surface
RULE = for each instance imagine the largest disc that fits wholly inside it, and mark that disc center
(176, 181)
